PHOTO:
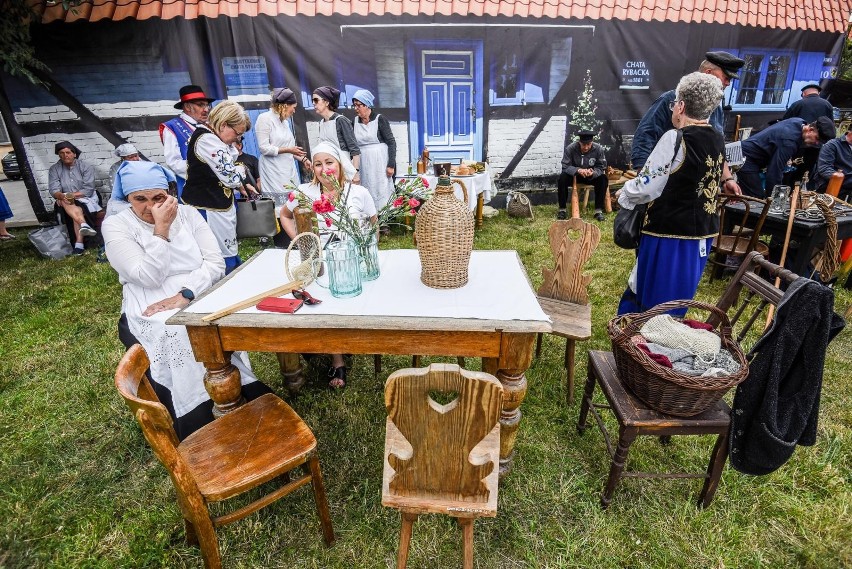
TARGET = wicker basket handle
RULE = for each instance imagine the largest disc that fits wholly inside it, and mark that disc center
(464, 190)
(724, 322)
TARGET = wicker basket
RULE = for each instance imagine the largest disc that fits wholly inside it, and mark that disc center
(662, 388)
(443, 231)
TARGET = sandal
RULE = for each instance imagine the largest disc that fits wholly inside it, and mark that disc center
(337, 378)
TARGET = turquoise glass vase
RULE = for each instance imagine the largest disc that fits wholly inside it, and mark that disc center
(369, 254)
(344, 269)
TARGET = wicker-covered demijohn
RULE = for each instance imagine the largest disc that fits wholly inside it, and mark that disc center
(662, 388)
(444, 234)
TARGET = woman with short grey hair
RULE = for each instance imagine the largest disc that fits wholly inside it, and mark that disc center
(679, 182)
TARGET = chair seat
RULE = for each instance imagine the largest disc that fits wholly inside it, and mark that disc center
(730, 245)
(247, 447)
(569, 320)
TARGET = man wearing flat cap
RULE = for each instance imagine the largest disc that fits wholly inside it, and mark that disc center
(584, 161)
(71, 182)
(174, 134)
(658, 119)
(811, 106)
(836, 156)
(773, 147)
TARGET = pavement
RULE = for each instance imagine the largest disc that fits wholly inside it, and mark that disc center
(16, 194)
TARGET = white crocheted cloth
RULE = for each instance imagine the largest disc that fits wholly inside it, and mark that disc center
(668, 332)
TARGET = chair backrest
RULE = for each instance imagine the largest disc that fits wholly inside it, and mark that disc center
(157, 426)
(572, 242)
(748, 305)
(743, 133)
(442, 436)
(742, 233)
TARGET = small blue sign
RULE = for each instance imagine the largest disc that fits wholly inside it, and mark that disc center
(245, 74)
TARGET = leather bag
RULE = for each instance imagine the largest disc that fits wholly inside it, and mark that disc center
(627, 227)
(256, 218)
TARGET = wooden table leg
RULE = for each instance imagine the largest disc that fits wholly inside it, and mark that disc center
(291, 371)
(714, 470)
(515, 357)
(626, 437)
(480, 203)
(222, 379)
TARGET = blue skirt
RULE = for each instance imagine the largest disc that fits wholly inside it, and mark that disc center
(5, 210)
(667, 269)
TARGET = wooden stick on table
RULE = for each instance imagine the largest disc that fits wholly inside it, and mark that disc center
(794, 200)
(277, 291)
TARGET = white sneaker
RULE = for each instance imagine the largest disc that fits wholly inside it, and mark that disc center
(87, 231)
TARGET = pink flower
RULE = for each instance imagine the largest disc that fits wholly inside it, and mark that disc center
(398, 201)
(412, 212)
(291, 197)
(328, 222)
(425, 182)
(413, 202)
(329, 173)
(323, 205)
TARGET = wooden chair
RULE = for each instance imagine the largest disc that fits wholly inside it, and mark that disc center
(745, 299)
(262, 440)
(564, 293)
(586, 189)
(743, 239)
(441, 458)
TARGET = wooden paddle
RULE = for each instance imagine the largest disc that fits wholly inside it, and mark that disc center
(249, 302)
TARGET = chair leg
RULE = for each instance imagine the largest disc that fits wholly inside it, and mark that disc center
(538, 345)
(377, 365)
(460, 362)
(405, 539)
(575, 202)
(714, 470)
(625, 439)
(189, 531)
(320, 499)
(415, 361)
(209, 544)
(467, 542)
(588, 393)
(569, 365)
(586, 198)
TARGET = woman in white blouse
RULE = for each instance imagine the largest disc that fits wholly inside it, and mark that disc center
(165, 254)
(279, 155)
(212, 176)
(330, 181)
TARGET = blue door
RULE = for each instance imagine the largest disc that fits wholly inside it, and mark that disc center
(446, 106)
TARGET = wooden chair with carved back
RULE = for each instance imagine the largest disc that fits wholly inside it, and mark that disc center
(260, 441)
(564, 293)
(442, 456)
(742, 239)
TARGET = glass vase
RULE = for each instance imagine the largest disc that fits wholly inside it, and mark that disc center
(344, 269)
(369, 254)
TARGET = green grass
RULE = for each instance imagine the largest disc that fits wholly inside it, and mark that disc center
(79, 486)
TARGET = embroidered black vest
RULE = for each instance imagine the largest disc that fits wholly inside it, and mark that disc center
(687, 206)
(203, 189)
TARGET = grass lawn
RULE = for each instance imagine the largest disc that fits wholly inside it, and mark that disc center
(79, 485)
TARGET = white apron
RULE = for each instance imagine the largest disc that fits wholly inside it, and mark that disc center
(328, 133)
(278, 171)
(374, 161)
(173, 364)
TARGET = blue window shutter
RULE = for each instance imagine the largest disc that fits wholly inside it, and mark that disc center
(808, 70)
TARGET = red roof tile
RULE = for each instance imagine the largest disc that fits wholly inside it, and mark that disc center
(817, 15)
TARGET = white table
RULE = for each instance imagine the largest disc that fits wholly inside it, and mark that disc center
(480, 189)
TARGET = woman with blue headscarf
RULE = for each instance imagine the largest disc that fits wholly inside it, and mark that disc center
(165, 254)
(378, 148)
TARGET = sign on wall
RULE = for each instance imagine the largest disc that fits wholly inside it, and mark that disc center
(635, 75)
(245, 75)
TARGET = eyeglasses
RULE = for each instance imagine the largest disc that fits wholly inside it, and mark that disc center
(674, 103)
(358, 104)
(239, 133)
(316, 100)
(201, 105)
(305, 297)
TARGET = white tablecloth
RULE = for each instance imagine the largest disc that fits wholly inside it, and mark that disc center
(497, 289)
(477, 184)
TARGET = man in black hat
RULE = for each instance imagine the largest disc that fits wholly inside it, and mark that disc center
(174, 134)
(811, 106)
(773, 147)
(583, 160)
(71, 182)
(658, 119)
(836, 156)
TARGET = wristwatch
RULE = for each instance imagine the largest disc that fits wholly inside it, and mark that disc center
(187, 294)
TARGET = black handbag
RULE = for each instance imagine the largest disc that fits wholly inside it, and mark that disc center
(627, 227)
(256, 218)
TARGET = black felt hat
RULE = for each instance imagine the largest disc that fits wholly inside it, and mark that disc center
(729, 63)
(586, 135)
(811, 86)
(191, 94)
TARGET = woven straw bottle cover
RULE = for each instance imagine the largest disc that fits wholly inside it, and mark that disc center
(444, 234)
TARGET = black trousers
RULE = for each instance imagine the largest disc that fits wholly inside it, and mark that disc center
(566, 182)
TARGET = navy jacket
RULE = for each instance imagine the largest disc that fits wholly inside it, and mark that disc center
(833, 156)
(656, 122)
(772, 147)
(810, 108)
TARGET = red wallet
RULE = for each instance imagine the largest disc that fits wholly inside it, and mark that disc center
(275, 304)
